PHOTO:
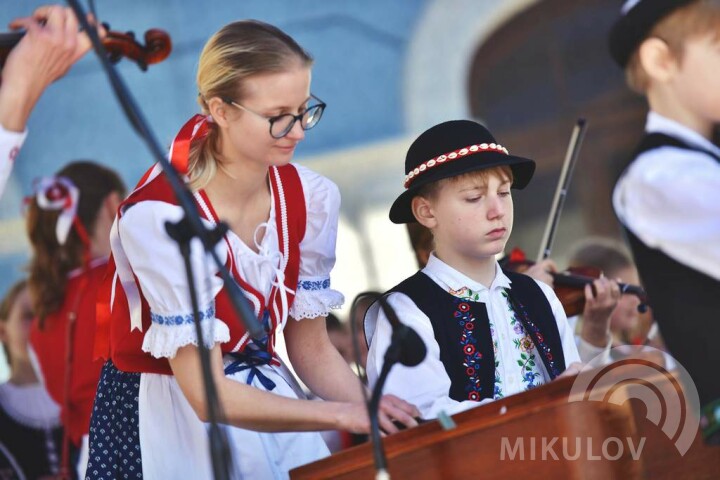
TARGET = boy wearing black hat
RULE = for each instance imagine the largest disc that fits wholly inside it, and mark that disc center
(488, 333)
(668, 199)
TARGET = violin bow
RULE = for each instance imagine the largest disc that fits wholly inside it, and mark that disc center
(576, 139)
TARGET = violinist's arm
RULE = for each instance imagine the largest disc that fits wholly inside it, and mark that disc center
(51, 45)
(541, 271)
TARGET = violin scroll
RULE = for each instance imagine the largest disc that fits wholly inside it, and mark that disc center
(156, 49)
(118, 45)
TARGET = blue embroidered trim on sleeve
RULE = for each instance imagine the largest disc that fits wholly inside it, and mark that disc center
(182, 319)
(314, 284)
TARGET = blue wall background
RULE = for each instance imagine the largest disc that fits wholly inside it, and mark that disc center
(359, 50)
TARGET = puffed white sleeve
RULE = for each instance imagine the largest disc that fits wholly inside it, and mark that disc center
(567, 337)
(159, 268)
(10, 143)
(314, 297)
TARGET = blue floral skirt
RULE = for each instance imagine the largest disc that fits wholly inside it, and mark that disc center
(114, 434)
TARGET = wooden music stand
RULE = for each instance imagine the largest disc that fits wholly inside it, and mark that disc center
(513, 437)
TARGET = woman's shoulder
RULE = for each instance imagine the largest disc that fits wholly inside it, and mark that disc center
(314, 181)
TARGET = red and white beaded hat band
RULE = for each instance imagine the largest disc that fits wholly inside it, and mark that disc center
(450, 156)
(450, 149)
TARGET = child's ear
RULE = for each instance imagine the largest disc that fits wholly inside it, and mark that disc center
(423, 211)
(657, 59)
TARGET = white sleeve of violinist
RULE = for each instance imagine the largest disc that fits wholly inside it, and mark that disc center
(588, 352)
(10, 143)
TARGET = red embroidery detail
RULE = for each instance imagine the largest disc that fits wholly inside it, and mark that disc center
(13, 153)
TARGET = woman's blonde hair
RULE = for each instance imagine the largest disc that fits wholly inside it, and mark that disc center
(236, 52)
(51, 262)
(694, 20)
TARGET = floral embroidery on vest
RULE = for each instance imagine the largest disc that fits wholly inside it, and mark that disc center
(468, 342)
(526, 346)
(467, 294)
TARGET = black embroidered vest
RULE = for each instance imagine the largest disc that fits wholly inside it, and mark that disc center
(685, 302)
(462, 330)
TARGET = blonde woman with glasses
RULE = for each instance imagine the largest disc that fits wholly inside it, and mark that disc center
(254, 92)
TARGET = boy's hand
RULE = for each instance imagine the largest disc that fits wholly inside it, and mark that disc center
(394, 409)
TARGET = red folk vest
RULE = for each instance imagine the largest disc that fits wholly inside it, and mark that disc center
(117, 341)
(71, 377)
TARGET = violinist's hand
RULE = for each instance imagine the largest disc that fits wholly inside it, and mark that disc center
(599, 306)
(540, 271)
(51, 45)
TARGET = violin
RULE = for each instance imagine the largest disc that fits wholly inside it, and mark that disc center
(118, 45)
(569, 285)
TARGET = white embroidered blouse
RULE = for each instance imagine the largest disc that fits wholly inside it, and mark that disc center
(155, 260)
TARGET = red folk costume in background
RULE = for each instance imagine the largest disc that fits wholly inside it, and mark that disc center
(63, 342)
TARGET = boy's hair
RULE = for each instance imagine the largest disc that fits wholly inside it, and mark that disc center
(430, 190)
(6, 305)
(691, 21)
(421, 240)
(607, 254)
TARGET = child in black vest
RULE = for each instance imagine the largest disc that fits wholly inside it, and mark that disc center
(668, 199)
(489, 333)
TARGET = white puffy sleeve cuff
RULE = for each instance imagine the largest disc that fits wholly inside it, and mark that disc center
(314, 297)
(10, 143)
(160, 270)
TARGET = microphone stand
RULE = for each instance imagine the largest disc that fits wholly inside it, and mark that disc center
(406, 347)
(183, 231)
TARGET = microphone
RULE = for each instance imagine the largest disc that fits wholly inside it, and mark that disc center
(406, 347)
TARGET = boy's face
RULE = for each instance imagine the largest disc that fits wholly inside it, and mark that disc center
(696, 81)
(472, 217)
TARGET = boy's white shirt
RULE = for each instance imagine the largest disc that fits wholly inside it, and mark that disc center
(427, 385)
(670, 198)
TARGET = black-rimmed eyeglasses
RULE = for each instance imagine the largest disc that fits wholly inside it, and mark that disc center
(281, 125)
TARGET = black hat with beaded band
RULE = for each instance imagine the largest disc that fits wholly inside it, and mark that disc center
(450, 149)
(637, 19)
